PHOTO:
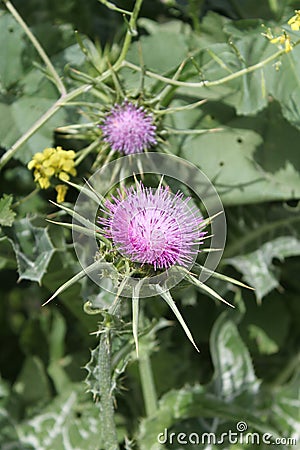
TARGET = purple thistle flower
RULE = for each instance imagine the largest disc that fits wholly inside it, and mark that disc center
(129, 129)
(154, 226)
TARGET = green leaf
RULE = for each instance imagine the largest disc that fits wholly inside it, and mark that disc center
(234, 373)
(266, 346)
(257, 268)
(286, 83)
(11, 52)
(286, 408)
(32, 374)
(70, 421)
(9, 439)
(7, 215)
(225, 399)
(7, 255)
(57, 337)
(245, 161)
(162, 59)
(33, 249)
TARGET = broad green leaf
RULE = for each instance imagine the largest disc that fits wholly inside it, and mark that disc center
(257, 268)
(69, 422)
(32, 374)
(57, 335)
(7, 216)
(11, 52)
(19, 116)
(286, 82)
(26, 92)
(162, 59)
(246, 161)
(33, 249)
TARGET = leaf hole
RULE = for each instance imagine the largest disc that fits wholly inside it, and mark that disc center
(239, 140)
(293, 203)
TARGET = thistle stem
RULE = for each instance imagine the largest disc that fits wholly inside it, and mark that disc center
(147, 382)
(207, 83)
(109, 439)
(129, 34)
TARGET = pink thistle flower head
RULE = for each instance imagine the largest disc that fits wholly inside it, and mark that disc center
(129, 129)
(154, 227)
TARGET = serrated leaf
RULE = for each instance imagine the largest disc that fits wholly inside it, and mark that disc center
(7, 216)
(33, 249)
(257, 268)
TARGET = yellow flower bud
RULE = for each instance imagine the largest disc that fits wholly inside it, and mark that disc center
(61, 190)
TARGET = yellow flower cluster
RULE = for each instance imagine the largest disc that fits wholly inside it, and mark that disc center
(53, 162)
(294, 21)
(285, 40)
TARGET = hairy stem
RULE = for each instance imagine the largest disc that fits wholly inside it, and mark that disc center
(108, 427)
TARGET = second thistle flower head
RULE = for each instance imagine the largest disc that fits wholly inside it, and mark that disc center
(129, 129)
(154, 226)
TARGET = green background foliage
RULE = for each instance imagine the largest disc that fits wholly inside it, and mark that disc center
(248, 368)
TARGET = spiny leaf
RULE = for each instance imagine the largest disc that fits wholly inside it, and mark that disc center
(78, 217)
(165, 294)
(91, 193)
(6, 214)
(223, 277)
(204, 287)
(33, 249)
(96, 265)
(256, 267)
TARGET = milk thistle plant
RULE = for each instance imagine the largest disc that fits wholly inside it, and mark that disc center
(150, 232)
